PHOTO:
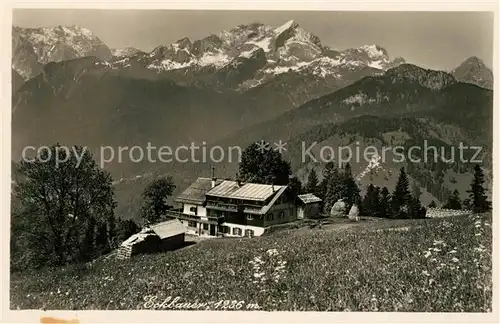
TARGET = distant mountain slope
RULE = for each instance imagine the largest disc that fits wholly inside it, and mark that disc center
(407, 104)
(401, 90)
(34, 47)
(436, 177)
(85, 102)
(473, 70)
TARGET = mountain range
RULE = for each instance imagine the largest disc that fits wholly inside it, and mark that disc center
(253, 82)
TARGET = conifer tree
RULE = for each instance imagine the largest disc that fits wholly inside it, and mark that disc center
(385, 203)
(350, 190)
(401, 198)
(477, 193)
(416, 210)
(334, 189)
(295, 185)
(371, 201)
(312, 182)
(323, 186)
(377, 210)
(453, 201)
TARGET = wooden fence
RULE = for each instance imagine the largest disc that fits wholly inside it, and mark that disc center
(442, 212)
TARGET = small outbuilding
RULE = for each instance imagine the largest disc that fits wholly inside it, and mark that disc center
(308, 206)
(171, 233)
(164, 236)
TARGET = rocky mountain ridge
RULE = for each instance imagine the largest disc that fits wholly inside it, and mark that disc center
(473, 70)
(32, 48)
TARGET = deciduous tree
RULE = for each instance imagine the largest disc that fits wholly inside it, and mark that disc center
(155, 197)
(263, 166)
(65, 210)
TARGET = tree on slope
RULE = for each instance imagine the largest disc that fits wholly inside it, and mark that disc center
(155, 197)
(66, 209)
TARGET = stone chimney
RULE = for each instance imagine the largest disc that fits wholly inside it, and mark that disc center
(213, 177)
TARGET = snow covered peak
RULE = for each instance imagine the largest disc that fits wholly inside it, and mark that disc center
(291, 24)
(270, 50)
(34, 47)
(374, 51)
(243, 33)
(124, 52)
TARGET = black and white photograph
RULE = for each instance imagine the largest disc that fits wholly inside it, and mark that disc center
(250, 160)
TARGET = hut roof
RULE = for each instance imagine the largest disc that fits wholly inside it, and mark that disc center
(309, 198)
(195, 193)
(169, 228)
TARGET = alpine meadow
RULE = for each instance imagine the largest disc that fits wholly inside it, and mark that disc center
(177, 160)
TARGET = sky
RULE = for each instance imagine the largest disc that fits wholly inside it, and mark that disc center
(436, 40)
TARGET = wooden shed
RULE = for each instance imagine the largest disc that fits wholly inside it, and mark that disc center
(165, 236)
(308, 206)
(171, 233)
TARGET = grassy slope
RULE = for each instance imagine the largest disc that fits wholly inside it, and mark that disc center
(384, 266)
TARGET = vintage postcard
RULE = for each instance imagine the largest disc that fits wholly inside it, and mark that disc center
(279, 162)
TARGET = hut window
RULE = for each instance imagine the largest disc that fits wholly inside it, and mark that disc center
(192, 210)
(205, 227)
(236, 231)
(191, 224)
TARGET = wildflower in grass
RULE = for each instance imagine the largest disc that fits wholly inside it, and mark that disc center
(437, 242)
(454, 260)
(426, 273)
(258, 275)
(446, 224)
(272, 252)
(427, 254)
(452, 251)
